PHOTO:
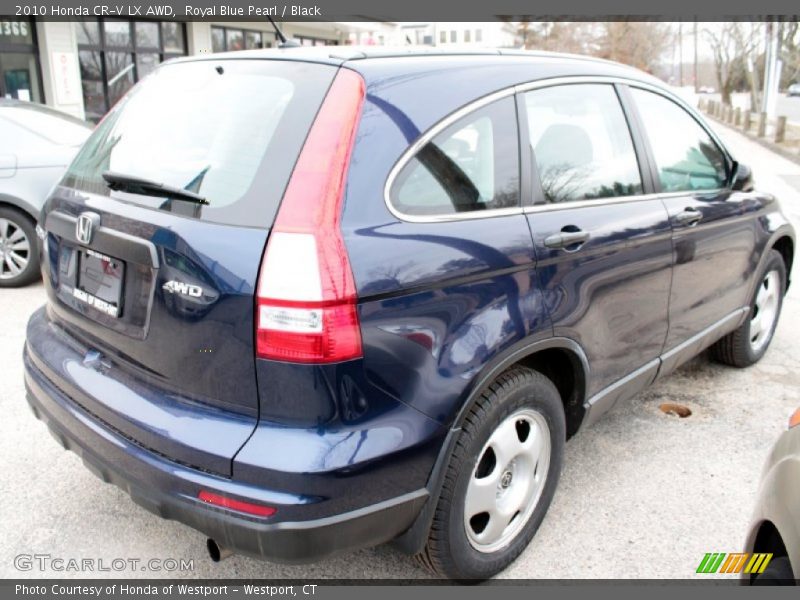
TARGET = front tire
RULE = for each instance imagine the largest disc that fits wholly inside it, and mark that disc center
(749, 343)
(19, 253)
(501, 478)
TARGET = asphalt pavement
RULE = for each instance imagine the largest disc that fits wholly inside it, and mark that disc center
(643, 494)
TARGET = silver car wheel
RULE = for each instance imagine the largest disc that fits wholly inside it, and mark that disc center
(15, 249)
(507, 481)
(765, 311)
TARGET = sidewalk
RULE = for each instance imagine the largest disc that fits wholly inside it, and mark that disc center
(780, 135)
(772, 172)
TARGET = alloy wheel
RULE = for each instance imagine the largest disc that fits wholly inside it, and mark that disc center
(765, 311)
(507, 481)
(15, 249)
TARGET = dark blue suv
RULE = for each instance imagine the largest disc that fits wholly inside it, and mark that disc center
(307, 302)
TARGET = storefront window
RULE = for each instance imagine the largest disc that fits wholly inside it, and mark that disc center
(145, 64)
(147, 35)
(118, 33)
(252, 40)
(19, 67)
(94, 99)
(88, 32)
(227, 39)
(115, 54)
(119, 71)
(218, 39)
(234, 40)
(173, 38)
(91, 62)
(314, 41)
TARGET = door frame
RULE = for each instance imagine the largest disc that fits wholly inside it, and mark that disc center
(32, 48)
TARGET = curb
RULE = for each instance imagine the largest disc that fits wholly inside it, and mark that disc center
(777, 149)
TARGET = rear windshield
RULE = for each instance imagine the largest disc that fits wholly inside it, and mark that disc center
(227, 130)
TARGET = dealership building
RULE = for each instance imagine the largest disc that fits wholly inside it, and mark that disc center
(84, 67)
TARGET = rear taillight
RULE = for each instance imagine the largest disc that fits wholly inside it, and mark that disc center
(794, 420)
(306, 299)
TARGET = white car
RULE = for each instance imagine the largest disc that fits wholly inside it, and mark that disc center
(794, 90)
(38, 145)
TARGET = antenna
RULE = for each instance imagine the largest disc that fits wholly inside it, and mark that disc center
(284, 42)
(278, 31)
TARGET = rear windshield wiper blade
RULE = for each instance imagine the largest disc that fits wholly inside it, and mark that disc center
(137, 185)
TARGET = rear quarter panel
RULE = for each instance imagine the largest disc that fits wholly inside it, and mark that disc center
(439, 301)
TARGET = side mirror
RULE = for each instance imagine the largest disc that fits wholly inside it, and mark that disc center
(742, 178)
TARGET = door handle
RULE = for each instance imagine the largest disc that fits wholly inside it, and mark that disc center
(689, 216)
(565, 239)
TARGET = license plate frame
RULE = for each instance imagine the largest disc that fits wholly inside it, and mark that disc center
(100, 282)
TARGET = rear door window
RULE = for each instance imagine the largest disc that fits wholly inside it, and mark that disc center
(686, 157)
(227, 130)
(472, 165)
(581, 143)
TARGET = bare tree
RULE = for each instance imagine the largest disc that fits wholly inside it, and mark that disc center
(640, 44)
(789, 41)
(558, 36)
(734, 46)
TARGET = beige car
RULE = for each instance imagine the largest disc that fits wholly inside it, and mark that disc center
(775, 527)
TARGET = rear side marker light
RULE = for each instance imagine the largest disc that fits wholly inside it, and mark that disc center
(794, 420)
(306, 299)
(258, 510)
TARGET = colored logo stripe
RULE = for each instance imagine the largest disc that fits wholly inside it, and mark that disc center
(711, 562)
(758, 563)
(716, 562)
(734, 563)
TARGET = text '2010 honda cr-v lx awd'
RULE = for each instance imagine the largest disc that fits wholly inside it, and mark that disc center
(306, 302)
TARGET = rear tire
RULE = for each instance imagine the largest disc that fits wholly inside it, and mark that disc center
(522, 416)
(19, 251)
(749, 343)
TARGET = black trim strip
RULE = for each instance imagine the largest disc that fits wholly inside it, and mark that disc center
(107, 241)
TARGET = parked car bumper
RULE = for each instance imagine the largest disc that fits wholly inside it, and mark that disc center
(170, 489)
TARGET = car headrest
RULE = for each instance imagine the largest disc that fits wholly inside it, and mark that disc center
(563, 145)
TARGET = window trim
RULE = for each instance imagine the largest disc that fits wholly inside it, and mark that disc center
(422, 141)
(517, 89)
(637, 143)
(650, 155)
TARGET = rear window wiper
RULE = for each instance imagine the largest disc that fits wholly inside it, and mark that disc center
(138, 185)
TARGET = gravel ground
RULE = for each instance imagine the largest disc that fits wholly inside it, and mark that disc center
(642, 495)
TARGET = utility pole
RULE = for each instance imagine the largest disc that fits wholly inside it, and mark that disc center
(771, 71)
(680, 53)
(694, 69)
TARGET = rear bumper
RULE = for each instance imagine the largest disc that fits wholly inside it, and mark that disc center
(169, 489)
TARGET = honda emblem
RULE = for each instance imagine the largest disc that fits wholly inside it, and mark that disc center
(84, 228)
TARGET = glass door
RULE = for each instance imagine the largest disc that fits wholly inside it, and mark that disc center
(19, 77)
(19, 69)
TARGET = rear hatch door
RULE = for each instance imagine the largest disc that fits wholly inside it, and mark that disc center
(154, 240)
